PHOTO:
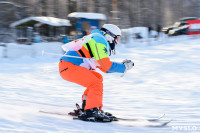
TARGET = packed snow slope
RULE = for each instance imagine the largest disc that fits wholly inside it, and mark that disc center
(164, 80)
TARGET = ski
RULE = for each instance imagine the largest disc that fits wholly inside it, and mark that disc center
(53, 113)
(141, 119)
(153, 122)
(162, 124)
(136, 119)
(80, 111)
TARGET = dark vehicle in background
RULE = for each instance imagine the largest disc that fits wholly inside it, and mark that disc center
(179, 28)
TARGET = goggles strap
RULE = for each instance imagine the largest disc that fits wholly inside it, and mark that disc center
(108, 32)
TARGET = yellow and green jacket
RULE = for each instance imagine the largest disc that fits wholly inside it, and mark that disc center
(97, 47)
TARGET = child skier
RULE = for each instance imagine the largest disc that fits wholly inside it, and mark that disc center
(83, 56)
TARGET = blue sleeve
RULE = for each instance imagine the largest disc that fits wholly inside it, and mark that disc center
(117, 67)
(76, 61)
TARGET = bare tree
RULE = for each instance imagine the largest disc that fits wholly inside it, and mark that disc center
(130, 12)
(44, 7)
(72, 6)
(56, 8)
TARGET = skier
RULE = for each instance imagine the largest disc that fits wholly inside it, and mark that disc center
(78, 65)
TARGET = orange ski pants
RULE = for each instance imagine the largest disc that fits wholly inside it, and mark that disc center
(93, 82)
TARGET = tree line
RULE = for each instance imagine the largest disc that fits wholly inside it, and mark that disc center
(125, 13)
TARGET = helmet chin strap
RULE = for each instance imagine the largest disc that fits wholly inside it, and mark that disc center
(112, 45)
(112, 48)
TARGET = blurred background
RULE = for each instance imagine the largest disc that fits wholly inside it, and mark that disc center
(51, 18)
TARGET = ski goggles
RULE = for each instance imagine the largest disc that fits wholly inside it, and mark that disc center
(116, 38)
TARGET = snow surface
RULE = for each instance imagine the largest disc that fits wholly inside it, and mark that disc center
(164, 80)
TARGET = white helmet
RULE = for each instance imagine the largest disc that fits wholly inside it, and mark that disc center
(111, 33)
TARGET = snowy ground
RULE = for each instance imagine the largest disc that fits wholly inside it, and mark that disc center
(165, 80)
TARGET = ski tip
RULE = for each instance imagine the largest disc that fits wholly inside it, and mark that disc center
(161, 116)
(156, 119)
(170, 120)
(160, 124)
(165, 123)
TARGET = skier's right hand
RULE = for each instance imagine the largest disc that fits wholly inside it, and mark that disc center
(128, 64)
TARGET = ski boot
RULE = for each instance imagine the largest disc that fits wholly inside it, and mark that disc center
(94, 115)
(113, 118)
